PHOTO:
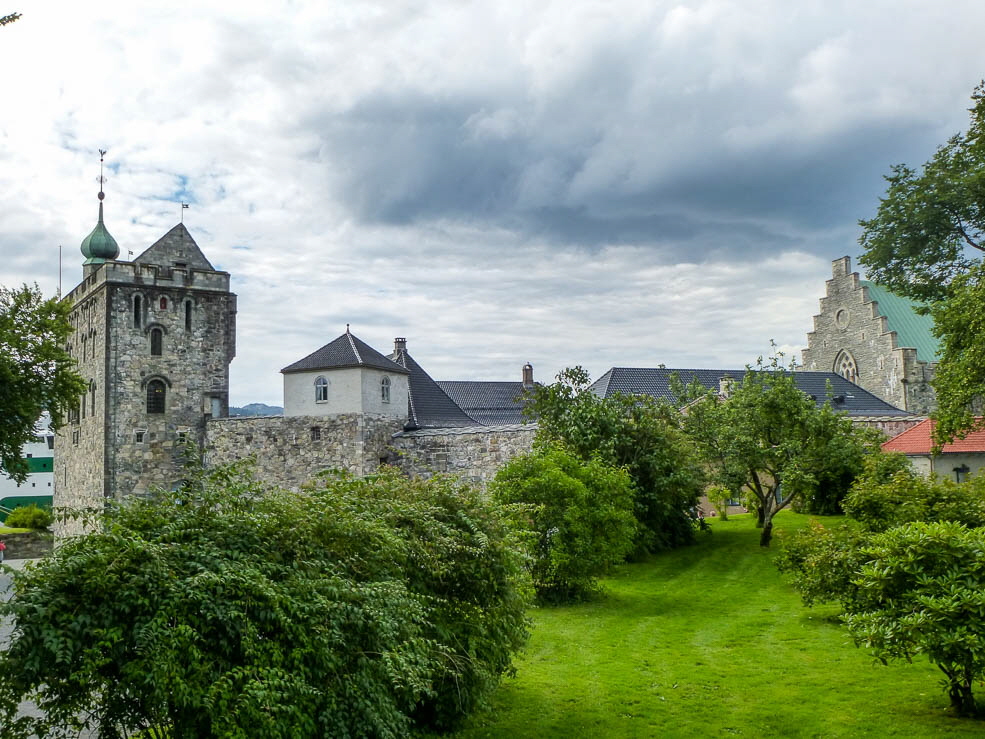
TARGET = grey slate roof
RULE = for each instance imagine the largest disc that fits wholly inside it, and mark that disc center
(429, 405)
(176, 247)
(489, 403)
(847, 396)
(345, 351)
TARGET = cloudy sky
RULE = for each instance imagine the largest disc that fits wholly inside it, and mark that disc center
(577, 182)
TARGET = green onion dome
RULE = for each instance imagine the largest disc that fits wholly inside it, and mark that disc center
(99, 245)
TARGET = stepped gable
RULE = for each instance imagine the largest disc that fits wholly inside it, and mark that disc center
(655, 382)
(489, 403)
(346, 351)
(176, 248)
(428, 405)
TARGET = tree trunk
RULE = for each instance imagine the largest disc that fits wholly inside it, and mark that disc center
(962, 699)
(760, 516)
(767, 534)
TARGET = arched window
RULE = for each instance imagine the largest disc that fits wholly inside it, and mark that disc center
(385, 389)
(136, 311)
(156, 393)
(156, 341)
(92, 397)
(846, 367)
(164, 303)
(321, 390)
(188, 315)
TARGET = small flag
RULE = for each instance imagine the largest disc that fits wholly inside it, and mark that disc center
(184, 205)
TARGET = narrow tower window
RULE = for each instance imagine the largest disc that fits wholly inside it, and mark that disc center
(321, 390)
(156, 341)
(155, 396)
(164, 303)
(92, 397)
(188, 315)
(136, 311)
(385, 389)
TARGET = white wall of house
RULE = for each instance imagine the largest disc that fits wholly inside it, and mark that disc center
(943, 466)
(350, 390)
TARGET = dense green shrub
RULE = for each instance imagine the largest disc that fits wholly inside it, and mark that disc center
(351, 608)
(581, 511)
(823, 561)
(921, 590)
(908, 496)
(29, 517)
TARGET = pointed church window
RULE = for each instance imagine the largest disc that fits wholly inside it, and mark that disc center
(156, 342)
(846, 367)
(321, 390)
(156, 393)
(385, 389)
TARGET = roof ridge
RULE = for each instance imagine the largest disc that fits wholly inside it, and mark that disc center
(352, 343)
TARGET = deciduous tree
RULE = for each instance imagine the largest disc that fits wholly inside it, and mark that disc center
(769, 442)
(926, 241)
(36, 372)
(635, 432)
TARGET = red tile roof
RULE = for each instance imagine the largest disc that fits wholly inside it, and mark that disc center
(917, 440)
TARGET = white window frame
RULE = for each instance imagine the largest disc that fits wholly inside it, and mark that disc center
(321, 390)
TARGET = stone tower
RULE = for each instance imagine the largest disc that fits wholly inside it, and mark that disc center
(153, 339)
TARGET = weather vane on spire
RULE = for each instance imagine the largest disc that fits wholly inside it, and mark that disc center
(102, 153)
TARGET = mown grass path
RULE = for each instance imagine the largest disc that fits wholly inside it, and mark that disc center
(710, 641)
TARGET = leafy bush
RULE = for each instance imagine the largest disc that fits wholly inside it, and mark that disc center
(582, 513)
(906, 496)
(351, 608)
(29, 517)
(922, 591)
(823, 561)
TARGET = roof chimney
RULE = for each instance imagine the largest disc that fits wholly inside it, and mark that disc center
(528, 376)
(725, 386)
(399, 344)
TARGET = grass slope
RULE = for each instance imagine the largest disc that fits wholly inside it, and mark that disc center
(710, 641)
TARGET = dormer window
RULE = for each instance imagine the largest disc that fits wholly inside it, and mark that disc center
(385, 389)
(321, 390)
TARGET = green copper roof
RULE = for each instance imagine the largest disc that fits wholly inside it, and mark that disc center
(912, 329)
(99, 245)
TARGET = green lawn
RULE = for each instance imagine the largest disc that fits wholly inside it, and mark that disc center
(710, 641)
(8, 530)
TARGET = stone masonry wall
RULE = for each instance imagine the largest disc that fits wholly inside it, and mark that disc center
(849, 322)
(473, 453)
(289, 451)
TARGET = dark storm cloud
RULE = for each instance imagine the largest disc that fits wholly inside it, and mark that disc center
(403, 160)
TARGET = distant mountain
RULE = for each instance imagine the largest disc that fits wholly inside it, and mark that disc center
(256, 409)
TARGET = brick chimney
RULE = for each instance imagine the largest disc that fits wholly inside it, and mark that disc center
(528, 376)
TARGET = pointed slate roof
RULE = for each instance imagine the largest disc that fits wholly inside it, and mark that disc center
(428, 405)
(917, 440)
(346, 351)
(489, 403)
(175, 248)
(847, 396)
